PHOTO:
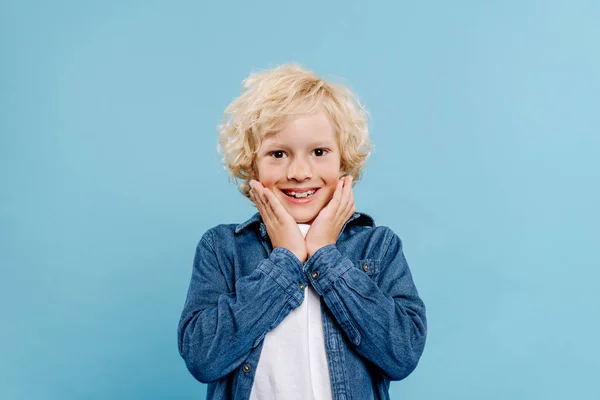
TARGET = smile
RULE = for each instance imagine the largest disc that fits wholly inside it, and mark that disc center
(300, 196)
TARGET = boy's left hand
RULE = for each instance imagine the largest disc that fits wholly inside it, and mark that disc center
(326, 228)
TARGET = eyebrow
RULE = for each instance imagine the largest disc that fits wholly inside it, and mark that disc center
(320, 143)
(274, 145)
(269, 134)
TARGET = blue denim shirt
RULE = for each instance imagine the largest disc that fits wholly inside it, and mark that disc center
(374, 321)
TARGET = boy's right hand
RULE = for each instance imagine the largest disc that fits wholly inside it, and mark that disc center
(281, 226)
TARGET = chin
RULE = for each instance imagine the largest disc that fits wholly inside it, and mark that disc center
(304, 217)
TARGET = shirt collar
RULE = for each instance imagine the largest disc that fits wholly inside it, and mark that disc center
(357, 217)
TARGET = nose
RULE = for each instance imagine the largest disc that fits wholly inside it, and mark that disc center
(299, 170)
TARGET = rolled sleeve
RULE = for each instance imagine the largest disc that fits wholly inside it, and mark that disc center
(286, 269)
(325, 267)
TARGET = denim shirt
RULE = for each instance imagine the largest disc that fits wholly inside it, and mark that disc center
(374, 321)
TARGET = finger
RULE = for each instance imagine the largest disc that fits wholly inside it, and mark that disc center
(346, 199)
(268, 209)
(351, 204)
(337, 194)
(258, 200)
(278, 209)
(345, 192)
(255, 198)
(269, 206)
(256, 184)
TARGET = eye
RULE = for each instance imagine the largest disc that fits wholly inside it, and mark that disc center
(277, 154)
(320, 152)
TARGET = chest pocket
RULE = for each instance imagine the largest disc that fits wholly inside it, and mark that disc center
(368, 266)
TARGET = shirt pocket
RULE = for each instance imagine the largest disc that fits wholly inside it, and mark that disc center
(368, 266)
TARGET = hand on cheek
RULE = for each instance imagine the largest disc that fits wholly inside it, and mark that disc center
(326, 228)
(281, 226)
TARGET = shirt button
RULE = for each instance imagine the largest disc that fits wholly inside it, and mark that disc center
(246, 367)
(365, 267)
(315, 274)
(301, 285)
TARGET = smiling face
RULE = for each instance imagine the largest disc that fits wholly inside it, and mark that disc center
(302, 158)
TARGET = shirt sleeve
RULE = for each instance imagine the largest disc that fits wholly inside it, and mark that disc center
(218, 328)
(384, 318)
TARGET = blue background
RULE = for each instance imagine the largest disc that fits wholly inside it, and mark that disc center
(486, 125)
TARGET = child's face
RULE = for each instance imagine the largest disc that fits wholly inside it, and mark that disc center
(304, 155)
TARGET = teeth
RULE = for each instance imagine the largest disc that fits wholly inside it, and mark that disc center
(302, 195)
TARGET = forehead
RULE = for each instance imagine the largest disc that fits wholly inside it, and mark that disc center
(304, 128)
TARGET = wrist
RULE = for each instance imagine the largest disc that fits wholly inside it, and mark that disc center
(302, 256)
(314, 248)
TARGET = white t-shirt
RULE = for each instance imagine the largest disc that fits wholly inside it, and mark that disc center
(293, 362)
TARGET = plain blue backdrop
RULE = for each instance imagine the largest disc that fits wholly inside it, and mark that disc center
(486, 125)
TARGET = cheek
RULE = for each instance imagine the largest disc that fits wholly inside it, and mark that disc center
(331, 176)
(267, 175)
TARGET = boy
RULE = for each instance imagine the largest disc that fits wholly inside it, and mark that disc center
(308, 299)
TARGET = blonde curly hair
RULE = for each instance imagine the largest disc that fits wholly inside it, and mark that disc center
(269, 98)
